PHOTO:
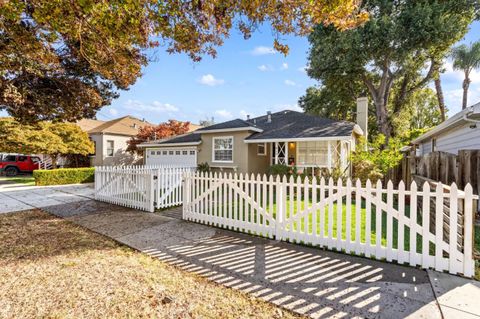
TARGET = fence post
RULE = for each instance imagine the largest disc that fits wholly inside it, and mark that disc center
(280, 211)
(468, 263)
(151, 190)
(186, 196)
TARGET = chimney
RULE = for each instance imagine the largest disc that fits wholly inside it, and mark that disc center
(248, 117)
(362, 115)
(269, 117)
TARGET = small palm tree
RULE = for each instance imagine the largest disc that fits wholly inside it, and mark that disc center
(466, 58)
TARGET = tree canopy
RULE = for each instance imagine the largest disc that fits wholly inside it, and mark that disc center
(64, 60)
(397, 49)
(466, 58)
(48, 138)
(158, 132)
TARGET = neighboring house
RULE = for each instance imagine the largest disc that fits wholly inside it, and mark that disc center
(460, 132)
(253, 145)
(110, 138)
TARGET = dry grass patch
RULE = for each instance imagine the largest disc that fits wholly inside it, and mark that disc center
(52, 268)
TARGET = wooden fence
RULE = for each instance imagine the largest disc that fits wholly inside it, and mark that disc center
(141, 187)
(441, 167)
(377, 221)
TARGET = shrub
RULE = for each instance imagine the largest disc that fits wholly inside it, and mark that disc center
(203, 168)
(64, 176)
(281, 169)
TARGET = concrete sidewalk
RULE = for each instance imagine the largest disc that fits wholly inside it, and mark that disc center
(18, 197)
(308, 281)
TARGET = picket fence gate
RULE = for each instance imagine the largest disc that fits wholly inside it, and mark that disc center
(144, 187)
(370, 220)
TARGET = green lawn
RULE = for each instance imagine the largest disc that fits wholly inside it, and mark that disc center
(27, 180)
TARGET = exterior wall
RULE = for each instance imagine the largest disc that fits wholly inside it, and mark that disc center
(460, 138)
(120, 156)
(258, 164)
(240, 151)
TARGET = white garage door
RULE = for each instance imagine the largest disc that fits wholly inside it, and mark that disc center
(177, 157)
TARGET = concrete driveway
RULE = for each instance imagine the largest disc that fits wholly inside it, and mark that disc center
(17, 197)
(314, 282)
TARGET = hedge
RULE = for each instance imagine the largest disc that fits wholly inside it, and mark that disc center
(64, 176)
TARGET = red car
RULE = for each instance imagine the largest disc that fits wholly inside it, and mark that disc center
(12, 165)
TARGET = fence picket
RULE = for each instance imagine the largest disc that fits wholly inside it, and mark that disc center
(425, 225)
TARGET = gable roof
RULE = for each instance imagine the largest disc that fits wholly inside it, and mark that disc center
(289, 124)
(469, 114)
(127, 125)
(184, 139)
(284, 125)
(89, 124)
(236, 124)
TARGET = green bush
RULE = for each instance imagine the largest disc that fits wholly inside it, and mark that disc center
(281, 169)
(203, 168)
(64, 176)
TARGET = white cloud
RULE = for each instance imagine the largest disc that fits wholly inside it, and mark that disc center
(262, 50)
(265, 68)
(224, 114)
(210, 80)
(289, 83)
(458, 74)
(292, 107)
(284, 66)
(303, 69)
(154, 106)
(113, 111)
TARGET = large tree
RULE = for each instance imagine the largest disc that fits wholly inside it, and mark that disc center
(466, 58)
(66, 59)
(395, 48)
(53, 139)
(157, 132)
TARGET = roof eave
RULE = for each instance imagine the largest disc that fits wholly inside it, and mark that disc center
(168, 144)
(235, 129)
(299, 139)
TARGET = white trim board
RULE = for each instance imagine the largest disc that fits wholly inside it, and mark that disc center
(302, 139)
(170, 144)
(236, 129)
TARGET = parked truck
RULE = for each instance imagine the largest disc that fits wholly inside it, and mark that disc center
(12, 165)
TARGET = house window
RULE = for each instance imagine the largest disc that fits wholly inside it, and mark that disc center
(164, 153)
(152, 152)
(110, 146)
(223, 149)
(261, 149)
(170, 152)
(184, 152)
(192, 152)
(312, 153)
(177, 152)
(158, 152)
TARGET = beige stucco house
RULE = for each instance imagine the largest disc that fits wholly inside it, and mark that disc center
(110, 138)
(253, 145)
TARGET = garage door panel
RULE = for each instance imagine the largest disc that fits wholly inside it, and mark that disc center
(179, 156)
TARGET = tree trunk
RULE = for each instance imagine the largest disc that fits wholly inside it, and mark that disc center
(465, 85)
(54, 161)
(382, 117)
(440, 98)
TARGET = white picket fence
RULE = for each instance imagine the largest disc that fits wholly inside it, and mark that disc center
(140, 187)
(384, 223)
